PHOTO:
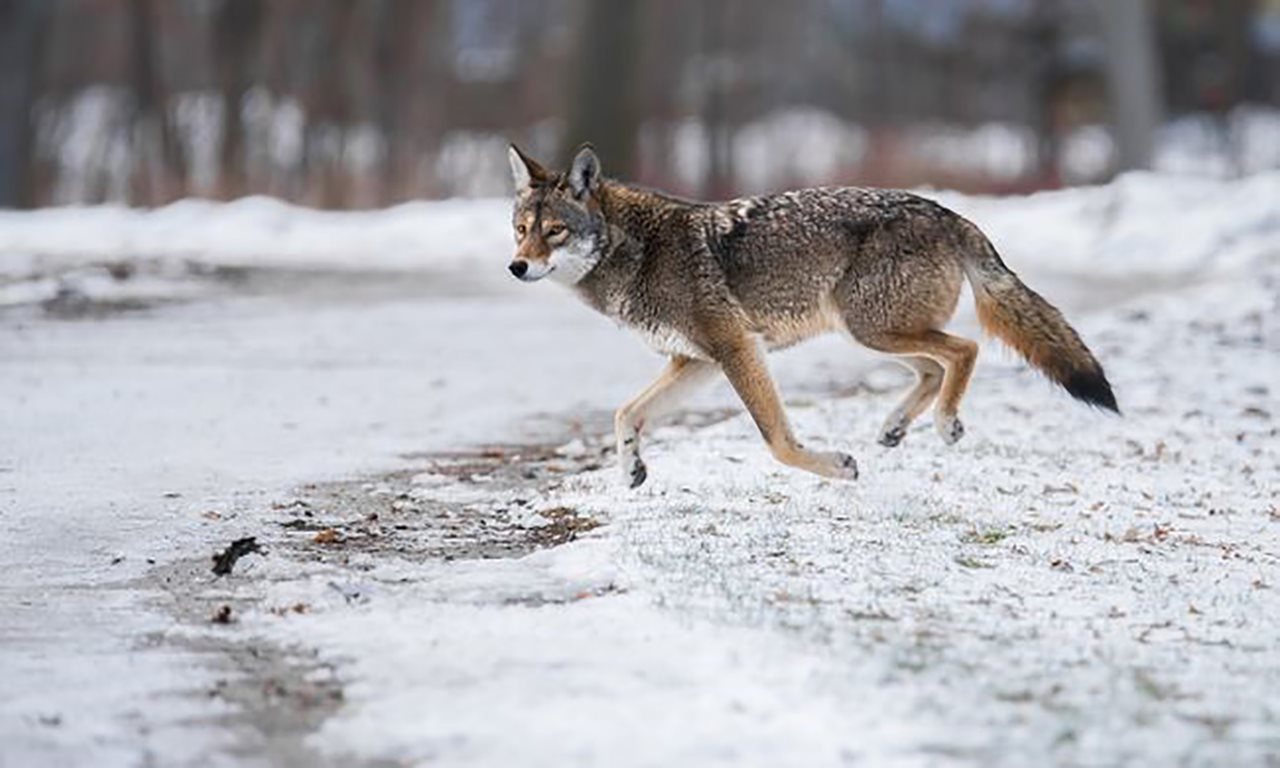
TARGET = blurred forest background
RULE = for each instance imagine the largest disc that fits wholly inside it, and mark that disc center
(360, 103)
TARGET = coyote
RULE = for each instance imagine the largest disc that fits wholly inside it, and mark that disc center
(714, 285)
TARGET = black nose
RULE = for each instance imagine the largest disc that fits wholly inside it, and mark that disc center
(518, 268)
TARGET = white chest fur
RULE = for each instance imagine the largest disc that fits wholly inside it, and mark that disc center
(668, 341)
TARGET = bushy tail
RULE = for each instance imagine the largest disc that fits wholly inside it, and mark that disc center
(1021, 318)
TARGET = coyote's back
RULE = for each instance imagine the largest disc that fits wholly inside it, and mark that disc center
(891, 263)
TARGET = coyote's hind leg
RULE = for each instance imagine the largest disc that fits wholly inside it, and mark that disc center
(929, 375)
(677, 380)
(956, 356)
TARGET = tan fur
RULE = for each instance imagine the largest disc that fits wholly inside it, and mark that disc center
(743, 364)
(955, 356)
(929, 375)
(1022, 319)
(681, 376)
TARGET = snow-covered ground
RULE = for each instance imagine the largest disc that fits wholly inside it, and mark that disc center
(1061, 587)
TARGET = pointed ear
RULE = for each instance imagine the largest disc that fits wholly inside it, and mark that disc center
(524, 170)
(584, 175)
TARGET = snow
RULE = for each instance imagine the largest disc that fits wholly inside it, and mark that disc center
(1143, 225)
(258, 232)
(118, 436)
(618, 680)
(1061, 587)
(1244, 141)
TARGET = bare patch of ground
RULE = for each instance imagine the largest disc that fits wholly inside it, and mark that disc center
(276, 695)
(280, 695)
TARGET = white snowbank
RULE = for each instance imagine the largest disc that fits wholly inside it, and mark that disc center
(1244, 141)
(1141, 225)
(258, 231)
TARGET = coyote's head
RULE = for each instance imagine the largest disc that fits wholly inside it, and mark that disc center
(559, 228)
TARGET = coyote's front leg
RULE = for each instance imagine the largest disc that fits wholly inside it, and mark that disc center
(745, 368)
(680, 377)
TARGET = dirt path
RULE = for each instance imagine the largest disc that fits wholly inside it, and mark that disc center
(277, 695)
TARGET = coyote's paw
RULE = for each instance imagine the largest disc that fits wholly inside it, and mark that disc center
(840, 466)
(951, 430)
(634, 472)
(892, 435)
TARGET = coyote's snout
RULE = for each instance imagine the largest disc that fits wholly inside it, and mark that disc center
(714, 285)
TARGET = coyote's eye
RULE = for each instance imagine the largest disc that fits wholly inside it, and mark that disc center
(521, 230)
(555, 230)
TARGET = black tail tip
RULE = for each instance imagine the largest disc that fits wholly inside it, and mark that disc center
(1093, 388)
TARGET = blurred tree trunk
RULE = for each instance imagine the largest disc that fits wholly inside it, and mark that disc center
(158, 169)
(715, 108)
(332, 109)
(1232, 36)
(658, 97)
(1133, 80)
(878, 165)
(393, 57)
(1042, 36)
(406, 78)
(24, 27)
(236, 31)
(1241, 69)
(603, 109)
